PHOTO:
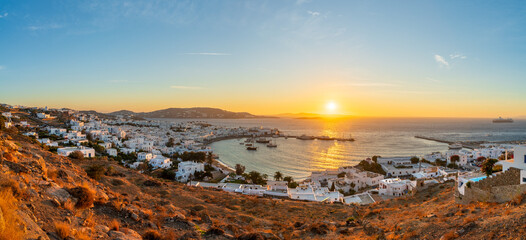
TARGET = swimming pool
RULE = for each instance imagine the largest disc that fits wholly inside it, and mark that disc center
(477, 179)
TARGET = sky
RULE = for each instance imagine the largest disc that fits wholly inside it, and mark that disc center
(445, 58)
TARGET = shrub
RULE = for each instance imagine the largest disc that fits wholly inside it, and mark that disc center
(63, 230)
(77, 155)
(13, 186)
(96, 171)
(114, 225)
(167, 174)
(84, 195)
(152, 235)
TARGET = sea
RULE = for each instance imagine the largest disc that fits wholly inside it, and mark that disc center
(386, 137)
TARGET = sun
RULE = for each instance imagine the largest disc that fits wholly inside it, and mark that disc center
(331, 107)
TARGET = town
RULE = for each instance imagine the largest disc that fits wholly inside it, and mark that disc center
(178, 151)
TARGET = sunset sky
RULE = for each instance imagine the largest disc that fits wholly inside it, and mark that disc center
(364, 58)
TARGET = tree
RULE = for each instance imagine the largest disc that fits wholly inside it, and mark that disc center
(278, 176)
(414, 160)
(240, 169)
(77, 155)
(332, 187)
(375, 158)
(342, 174)
(256, 177)
(288, 179)
(454, 158)
(487, 166)
(171, 142)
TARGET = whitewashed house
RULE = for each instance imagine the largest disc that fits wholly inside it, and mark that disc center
(88, 152)
(159, 161)
(144, 156)
(394, 187)
(188, 168)
(112, 152)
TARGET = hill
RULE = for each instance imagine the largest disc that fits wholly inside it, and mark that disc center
(47, 196)
(196, 112)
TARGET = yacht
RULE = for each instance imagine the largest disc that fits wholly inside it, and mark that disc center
(252, 148)
(305, 137)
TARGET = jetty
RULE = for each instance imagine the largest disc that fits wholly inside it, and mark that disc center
(464, 144)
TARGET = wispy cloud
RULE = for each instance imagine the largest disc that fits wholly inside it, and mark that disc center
(184, 87)
(209, 53)
(2, 67)
(457, 55)
(430, 79)
(314, 14)
(440, 60)
(3, 15)
(44, 27)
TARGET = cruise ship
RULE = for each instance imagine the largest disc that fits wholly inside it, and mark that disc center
(502, 120)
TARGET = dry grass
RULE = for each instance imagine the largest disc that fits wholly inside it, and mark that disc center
(152, 235)
(8, 205)
(84, 195)
(13, 186)
(517, 200)
(63, 230)
(450, 235)
(469, 219)
(114, 225)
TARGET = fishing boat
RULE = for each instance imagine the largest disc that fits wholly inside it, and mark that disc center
(252, 148)
(272, 144)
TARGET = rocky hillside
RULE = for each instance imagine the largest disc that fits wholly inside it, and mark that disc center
(46, 196)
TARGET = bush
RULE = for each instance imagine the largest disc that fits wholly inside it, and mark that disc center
(63, 230)
(84, 195)
(96, 171)
(152, 235)
(77, 155)
(167, 174)
(114, 225)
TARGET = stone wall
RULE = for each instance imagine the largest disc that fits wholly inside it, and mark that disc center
(500, 188)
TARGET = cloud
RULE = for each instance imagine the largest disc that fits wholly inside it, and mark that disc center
(184, 87)
(457, 55)
(2, 67)
(209, 54)
(3, 15)
(314, 14)
(44, 27)
(433, 80)
(439, 59)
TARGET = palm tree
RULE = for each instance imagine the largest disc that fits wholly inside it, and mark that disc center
(278, 176)
(288, 179)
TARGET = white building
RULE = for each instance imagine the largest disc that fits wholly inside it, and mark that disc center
(112, 152)
(185, 169)
(88, 152)
(251, 189)
(43, 115)
(159, 161)
(394, 187)
(144, 156)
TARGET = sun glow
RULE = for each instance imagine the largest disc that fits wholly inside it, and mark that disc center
(331, 107)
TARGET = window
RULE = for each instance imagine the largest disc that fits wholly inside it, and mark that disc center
(524, 158)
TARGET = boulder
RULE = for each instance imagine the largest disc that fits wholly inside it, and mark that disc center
(59, 193)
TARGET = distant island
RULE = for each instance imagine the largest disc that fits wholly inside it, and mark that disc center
(195, 112)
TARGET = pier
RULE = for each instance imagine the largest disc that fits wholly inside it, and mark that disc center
(464, 145)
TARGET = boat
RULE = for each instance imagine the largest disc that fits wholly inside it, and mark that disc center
(248, 140)
(325, 138)
(262, 140)
(305, 137)
(455, 146)
(272, 145)
(502, 120)
(248, 144)
(252, 148)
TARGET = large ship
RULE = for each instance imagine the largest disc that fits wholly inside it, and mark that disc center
(502, 120)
